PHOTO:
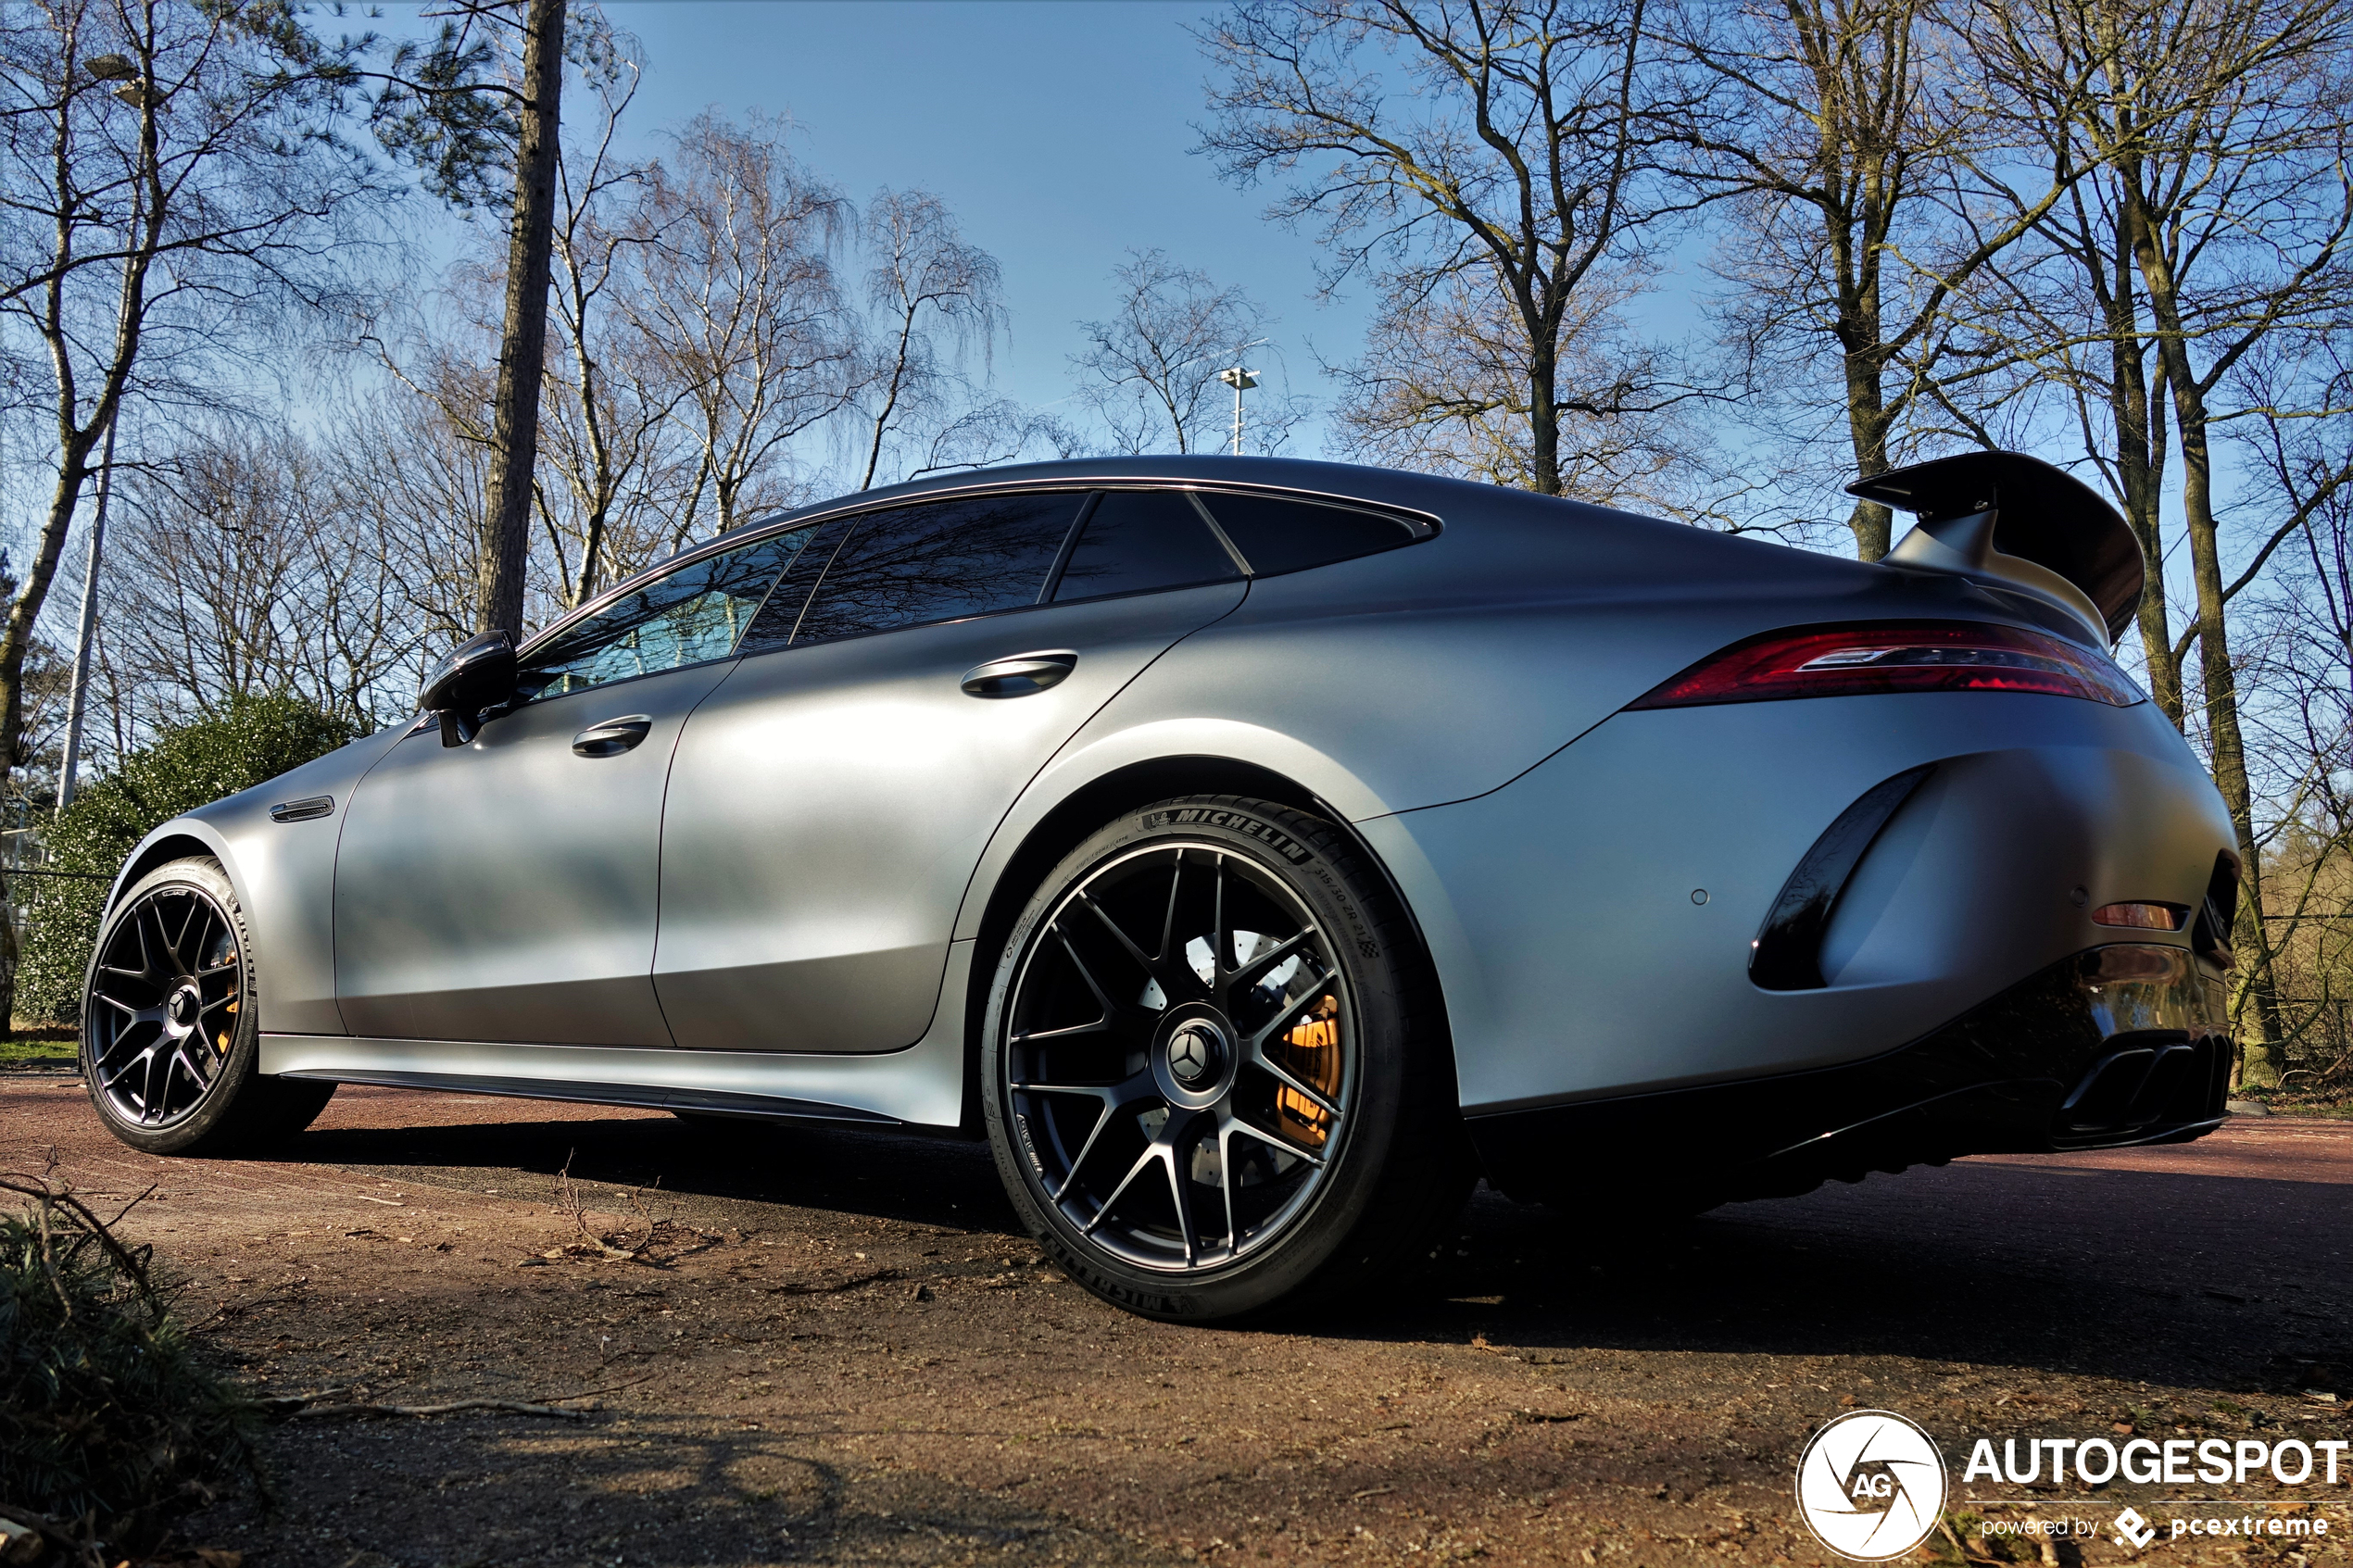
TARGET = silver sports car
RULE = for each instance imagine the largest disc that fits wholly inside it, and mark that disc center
(1256, 853)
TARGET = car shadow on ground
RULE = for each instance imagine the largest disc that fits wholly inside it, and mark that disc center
(2144, 1277)
(673, 1492)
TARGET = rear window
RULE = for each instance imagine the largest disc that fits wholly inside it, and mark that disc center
(1274, 534)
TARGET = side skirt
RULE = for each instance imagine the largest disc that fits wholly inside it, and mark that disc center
(921, 1086)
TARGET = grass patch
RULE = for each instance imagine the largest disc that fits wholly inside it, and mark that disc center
(39, 1048)
(109, 1422)
(2331, 1100)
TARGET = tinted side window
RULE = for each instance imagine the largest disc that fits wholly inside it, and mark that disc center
(773, 628)
(695, 614)
(1139, 540)
(1278, 535)
(939, 561)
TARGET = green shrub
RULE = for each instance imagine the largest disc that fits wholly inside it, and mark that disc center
(252, 740)
(108, 1423)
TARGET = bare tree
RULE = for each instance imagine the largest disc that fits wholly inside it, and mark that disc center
(446, 104)
(239, 570)
(604, 447)
(1848, 140)
(2224, 128)
(2292, 653)
(523, 346)
(737, 304)
(167, 172)
(1149, 373)
(1441, 386)
(2061, 318)
(1513, 152)
(409, 480)
(925, 283)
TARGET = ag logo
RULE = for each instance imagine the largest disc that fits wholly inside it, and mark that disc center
(1871, 1485)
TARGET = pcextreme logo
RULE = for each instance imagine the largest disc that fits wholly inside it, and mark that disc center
(1871, 1485)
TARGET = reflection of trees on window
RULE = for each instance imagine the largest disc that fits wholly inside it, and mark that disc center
(909, 565)
(1140, 540)
(694, 615)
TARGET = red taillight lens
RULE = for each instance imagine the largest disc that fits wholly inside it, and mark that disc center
(1908, 656)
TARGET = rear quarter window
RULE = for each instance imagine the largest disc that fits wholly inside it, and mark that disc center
(1276, 535)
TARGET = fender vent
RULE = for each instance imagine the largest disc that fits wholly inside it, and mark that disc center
(2211, 934)
(1787, 954)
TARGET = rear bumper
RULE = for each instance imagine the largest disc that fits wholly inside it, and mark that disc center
(2110, 1047)
(1592, 922)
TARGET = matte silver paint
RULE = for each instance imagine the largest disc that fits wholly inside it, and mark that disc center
(828, 805)
(839, 816)
(1577, 962)
(506, 889)
(921, 1086)
(285, 876)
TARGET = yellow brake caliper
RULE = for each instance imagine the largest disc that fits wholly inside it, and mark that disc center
(1312, 1053)
(221, 1042)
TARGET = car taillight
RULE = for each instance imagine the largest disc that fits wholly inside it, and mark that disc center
(1907, 657)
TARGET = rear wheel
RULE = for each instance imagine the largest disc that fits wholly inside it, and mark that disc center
(170, 1035)
(1215, 1074)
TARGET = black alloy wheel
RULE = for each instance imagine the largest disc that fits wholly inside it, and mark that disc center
(1200, 1053)
(169, 1035)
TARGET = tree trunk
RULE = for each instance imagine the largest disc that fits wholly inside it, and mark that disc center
(72, 469)
(2140, 473)
(1872, 524)
(523, 344)
(1543, 421)
(2225, 742)
(1863, 362)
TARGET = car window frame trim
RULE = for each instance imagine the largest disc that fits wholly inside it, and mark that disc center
(655, 574)
(1424, 525)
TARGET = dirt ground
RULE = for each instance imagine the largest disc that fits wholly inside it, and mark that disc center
(839, 1351)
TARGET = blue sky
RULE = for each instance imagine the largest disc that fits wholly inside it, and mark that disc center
(1058, 134)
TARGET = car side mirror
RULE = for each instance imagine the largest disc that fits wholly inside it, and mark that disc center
(478, 674)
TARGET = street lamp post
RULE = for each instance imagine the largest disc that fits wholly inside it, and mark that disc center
(1241, 380)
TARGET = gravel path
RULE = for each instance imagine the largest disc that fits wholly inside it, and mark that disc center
(836, 1351)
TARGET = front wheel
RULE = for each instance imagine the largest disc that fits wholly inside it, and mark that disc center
(171, 1036)
(1214, 1069)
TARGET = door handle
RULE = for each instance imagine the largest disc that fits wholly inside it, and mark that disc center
(1020, 675)
(612, 737)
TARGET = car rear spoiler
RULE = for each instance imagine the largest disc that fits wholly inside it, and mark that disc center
(2016, 518)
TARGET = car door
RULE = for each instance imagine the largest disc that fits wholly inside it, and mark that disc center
(830, 800)
(504, 890)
